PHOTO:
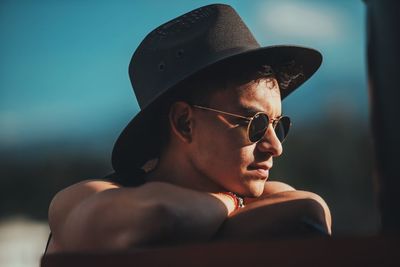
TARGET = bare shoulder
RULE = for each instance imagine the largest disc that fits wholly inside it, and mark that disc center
(85, 188)
(67, 199)
(79, 191)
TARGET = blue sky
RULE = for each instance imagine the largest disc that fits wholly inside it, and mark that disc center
(63, 68)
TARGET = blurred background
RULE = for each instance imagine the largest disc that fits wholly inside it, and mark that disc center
(65, 95)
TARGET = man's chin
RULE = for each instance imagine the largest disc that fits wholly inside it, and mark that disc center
(254, 189)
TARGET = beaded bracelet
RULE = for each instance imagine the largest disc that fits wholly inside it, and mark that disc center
(239, 202)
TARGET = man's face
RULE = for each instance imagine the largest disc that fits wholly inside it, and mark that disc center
(220, 150)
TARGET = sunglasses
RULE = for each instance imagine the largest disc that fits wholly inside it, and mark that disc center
(258, 124)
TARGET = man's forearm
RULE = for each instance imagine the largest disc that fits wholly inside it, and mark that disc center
(197, 215)
(154, 214)
(286, 214)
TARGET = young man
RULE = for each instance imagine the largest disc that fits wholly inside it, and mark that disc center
(193, 164)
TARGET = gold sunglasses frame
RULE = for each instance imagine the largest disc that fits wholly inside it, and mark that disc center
(273, 122)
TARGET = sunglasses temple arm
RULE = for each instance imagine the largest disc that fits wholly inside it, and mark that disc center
(224, 112)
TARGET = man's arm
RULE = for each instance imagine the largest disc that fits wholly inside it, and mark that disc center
(119, 218)
(279, 215)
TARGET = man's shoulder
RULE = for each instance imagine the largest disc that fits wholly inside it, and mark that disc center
(70, 197)
(86, 188)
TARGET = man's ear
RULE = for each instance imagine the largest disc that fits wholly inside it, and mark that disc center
(181, 121)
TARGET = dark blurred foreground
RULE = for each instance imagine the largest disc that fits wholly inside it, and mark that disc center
(283, 253)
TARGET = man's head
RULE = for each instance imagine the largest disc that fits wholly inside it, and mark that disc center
(208, 58)
(215, 146)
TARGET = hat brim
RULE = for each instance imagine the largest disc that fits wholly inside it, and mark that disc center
(137, 142)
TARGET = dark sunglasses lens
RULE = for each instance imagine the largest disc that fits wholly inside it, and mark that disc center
(258, 126)
(282, 128)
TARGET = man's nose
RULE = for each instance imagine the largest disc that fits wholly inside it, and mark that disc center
(270, 143)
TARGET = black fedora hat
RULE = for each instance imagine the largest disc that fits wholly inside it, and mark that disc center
(186, 45)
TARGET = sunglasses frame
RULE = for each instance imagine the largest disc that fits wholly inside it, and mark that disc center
(274, 122)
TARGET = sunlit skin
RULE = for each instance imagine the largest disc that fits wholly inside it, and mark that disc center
(207, 155)
(217, 155)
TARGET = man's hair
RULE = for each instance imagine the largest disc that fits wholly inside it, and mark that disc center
(199, 88)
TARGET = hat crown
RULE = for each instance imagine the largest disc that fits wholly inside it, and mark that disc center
(185, 45)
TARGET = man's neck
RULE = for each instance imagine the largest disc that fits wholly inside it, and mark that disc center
(177, 169)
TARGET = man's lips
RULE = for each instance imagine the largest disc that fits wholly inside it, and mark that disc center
(263, 166)
(261, 169)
